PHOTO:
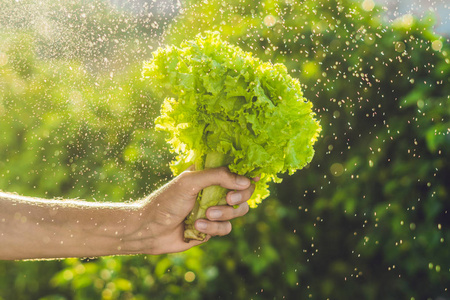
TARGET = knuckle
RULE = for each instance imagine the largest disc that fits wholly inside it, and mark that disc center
(228, 228)
(251, 191)
(214, 228)
(223, 171)
(242, 210)
(221, 228)
(184, 179)
(246, 196)
(246, 208)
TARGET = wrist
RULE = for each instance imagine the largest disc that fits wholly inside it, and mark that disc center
(135, 230)
(100, 233)
(110, 230)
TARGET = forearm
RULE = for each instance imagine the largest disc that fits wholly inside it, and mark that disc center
(37, 228)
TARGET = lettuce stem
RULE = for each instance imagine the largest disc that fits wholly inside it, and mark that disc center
(210, 196)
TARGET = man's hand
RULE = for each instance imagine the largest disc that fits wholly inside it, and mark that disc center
(159, 225)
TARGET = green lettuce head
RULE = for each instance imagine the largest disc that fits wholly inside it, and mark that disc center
(225, 107)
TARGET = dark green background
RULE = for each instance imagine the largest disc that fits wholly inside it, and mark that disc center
(368, 218)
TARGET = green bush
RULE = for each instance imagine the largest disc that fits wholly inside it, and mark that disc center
(66, 133)
(367, 219)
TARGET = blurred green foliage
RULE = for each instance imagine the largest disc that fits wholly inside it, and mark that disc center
(367, 219)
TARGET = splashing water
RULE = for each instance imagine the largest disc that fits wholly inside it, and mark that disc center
(368, 218)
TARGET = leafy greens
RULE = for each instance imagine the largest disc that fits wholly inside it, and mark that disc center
(225, 107)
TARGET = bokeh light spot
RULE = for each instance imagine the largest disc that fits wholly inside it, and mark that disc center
(436, 45)
(405, 21)
(270, 21)
(189, 276)
(368, 5)
(420, 103)
(337, 169)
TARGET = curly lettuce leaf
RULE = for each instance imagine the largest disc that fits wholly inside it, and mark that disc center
(220, 98)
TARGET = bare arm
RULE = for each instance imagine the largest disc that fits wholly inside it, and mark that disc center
(32, 228)
(38, 228)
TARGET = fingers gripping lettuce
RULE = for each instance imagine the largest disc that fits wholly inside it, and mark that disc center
(225, 107)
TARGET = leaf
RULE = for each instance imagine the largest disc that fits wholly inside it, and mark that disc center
(228, 101)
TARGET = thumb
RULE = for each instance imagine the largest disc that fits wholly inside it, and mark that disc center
(198, 180)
